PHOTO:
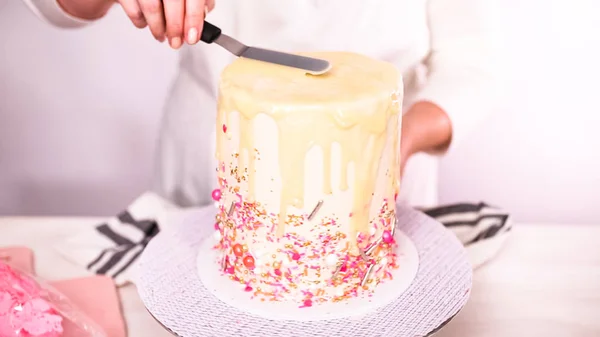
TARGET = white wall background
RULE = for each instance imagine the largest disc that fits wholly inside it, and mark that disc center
(79, 111)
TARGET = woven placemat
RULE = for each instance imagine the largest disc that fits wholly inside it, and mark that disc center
(171, 290)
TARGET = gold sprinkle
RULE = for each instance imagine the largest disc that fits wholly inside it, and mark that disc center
(231, 209)
(224, 262)
(337, 271)
(367, 274)
(315, 210)
(363, 256)
(373, 247)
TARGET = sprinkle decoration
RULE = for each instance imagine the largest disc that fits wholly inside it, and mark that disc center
(367, 274)
(387, 237)
(224, 263)
(238, 250)
(249, 262)
(337, 270)
(216, 194)
(374, 246)
(364, 256)
(231, 209)
(315, 210)
(307, 264)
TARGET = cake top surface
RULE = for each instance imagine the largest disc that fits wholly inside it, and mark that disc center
(353, 79)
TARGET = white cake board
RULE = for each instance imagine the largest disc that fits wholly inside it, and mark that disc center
(232, 293)
(173, 292)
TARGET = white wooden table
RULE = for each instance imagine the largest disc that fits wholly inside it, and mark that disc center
(545, 282)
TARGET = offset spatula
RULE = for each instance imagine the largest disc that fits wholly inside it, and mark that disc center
(212, 33)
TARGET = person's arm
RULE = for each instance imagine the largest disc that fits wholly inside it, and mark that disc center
(460, 88)
(69, 14)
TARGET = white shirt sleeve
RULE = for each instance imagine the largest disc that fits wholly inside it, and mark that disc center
(51, 12)
(461, 66)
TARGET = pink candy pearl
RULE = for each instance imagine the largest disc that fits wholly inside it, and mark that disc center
(387, 237)
(216, 194)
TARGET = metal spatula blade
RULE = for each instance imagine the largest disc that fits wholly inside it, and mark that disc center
(212, 33)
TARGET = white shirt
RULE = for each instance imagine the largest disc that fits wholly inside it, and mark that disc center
(444, 49)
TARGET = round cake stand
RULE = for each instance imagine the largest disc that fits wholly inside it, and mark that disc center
(172, 292)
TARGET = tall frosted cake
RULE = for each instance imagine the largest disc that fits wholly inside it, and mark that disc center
(308, 175)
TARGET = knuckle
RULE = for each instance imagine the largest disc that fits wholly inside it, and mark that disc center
(152, 6)
(174, 29)
(136, 16)
(195, 17)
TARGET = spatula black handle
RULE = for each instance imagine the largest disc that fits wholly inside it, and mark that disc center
(210, 32)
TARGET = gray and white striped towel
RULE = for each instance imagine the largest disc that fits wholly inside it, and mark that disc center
(111, 248)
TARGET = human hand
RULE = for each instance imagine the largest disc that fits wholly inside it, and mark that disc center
(425, 128)
(179, 21)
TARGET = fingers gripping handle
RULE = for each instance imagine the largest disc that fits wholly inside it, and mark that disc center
(210, 32)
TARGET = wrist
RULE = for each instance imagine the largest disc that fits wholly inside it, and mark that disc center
(86, 10)
(425, 128)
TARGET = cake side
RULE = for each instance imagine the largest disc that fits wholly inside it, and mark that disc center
(308, 173)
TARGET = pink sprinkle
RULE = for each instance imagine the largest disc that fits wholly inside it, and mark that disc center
(344, 268)
(248, 289)
(308, 303)
(387, 237)
(224, 128)
(350, 215)
(230, 270)
(217, 226)
(295, 256)
(277, 272)
(216, 194)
